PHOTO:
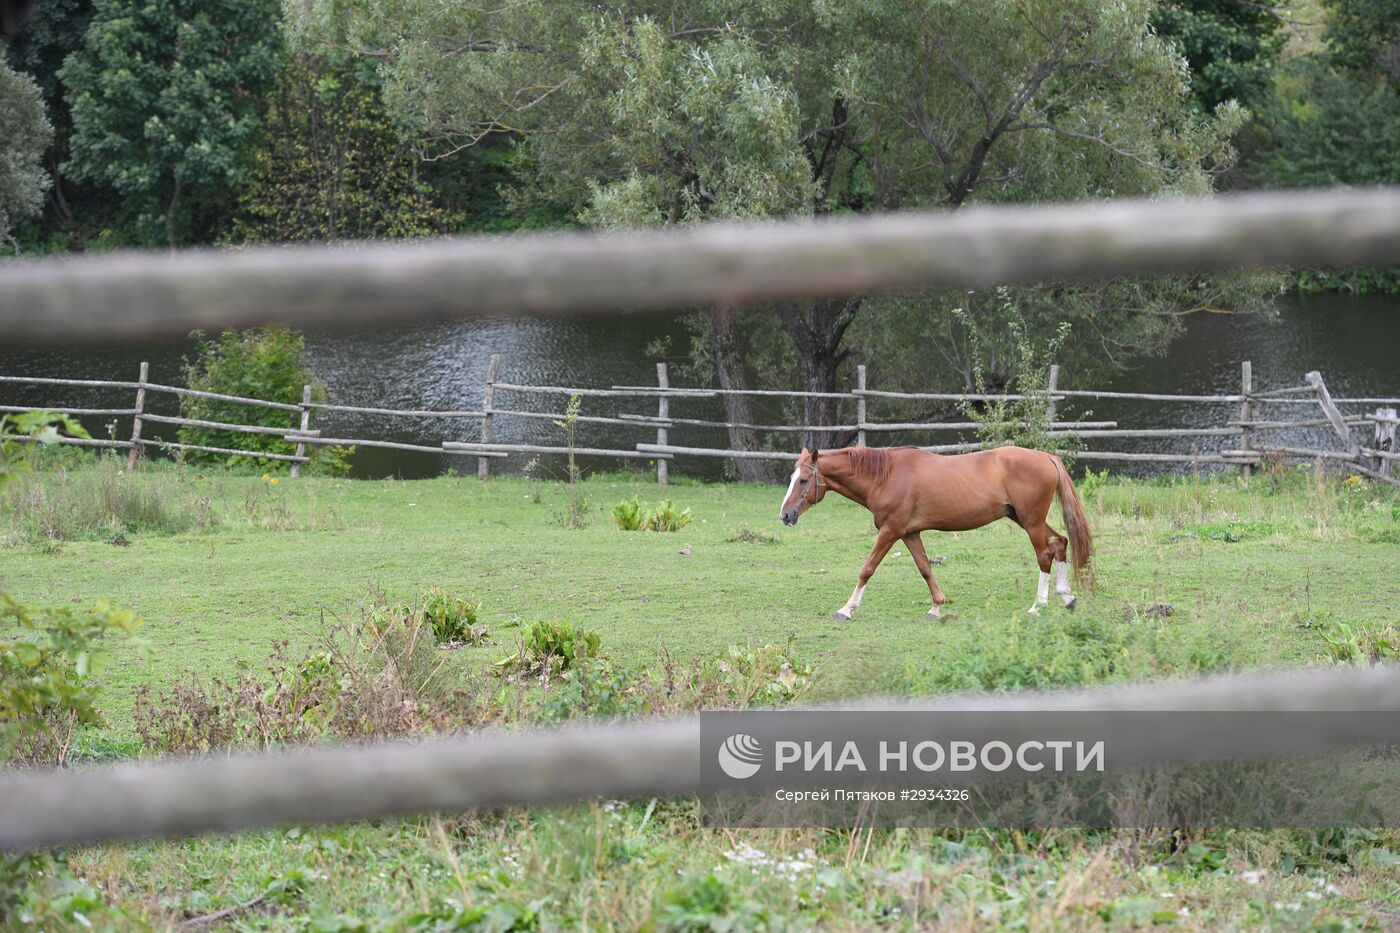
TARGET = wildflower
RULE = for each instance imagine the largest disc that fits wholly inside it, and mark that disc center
(1252, 877)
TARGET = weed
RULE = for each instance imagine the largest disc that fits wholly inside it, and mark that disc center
(549, 648)
(1361, 646)
(745, 536)
(631, 515)
(453, 619)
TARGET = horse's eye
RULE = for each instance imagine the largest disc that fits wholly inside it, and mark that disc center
(803, 481)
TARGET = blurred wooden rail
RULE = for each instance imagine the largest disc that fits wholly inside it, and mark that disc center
(126, 296)
(649, 758)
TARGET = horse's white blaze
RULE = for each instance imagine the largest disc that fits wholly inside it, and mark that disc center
(1062, 582)
(792, 484)
(1042, 593)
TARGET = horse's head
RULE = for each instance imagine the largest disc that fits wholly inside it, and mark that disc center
(804, 490)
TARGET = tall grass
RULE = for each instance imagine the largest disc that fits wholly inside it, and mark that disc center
(104, 502)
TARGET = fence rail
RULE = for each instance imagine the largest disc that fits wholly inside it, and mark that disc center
(142, 295)
(176, 797)
(1254, 432)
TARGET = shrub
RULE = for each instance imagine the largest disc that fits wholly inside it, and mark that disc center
(594, 691)
(42, 426)
(549, 648)
(45, 690)
(1346, 645)
(266, 363)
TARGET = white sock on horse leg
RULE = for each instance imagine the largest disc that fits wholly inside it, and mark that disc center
(1042, 593)
(1062, 582)
(852, 604)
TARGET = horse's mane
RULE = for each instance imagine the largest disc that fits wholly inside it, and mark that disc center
(869, 463)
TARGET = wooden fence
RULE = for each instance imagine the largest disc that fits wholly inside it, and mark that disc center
(1371, 453)
(131, 296)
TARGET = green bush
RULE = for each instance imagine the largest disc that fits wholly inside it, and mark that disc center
(267, 363)
(45, 690)
(16, 455)
(765, 676)
(453, 619)
(551, 647)
(631, 515)
(628, 516)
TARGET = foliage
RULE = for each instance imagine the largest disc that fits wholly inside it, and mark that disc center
(766, 676)
(630, 515)
(550, 647)
(1361, 646)
(1334, 119)
(164, 97)
(1073, 650)
(45, 670)
(1364, 35)
(25, 132)
(42, 426)
(376, 677)
(1232, 47)
(267, 363)
(1025, 421)
(330, 165)
(577, 514)
(780, 108)
(453, 619)
(593, 691)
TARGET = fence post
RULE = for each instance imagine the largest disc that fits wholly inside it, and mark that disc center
(860, 405)
(1383, 439)
(136, 420)
(1246, 414)
(1052, 384)
(1339, 424)
(483, 464)
(305, 426)
(663, 411)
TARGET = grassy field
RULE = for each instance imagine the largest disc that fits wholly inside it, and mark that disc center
(1194, 575)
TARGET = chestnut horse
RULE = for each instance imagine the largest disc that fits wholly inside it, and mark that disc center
(909, 491)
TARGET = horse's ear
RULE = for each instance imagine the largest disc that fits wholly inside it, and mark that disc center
(814, 454)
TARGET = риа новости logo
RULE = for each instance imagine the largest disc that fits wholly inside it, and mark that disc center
(740, 756)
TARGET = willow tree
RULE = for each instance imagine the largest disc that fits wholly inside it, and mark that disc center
(664, 113)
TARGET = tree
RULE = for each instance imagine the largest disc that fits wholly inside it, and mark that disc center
(56, 30)
(1232, 46)
(329, 164)
(164, 98)
(24, 135)
(664, 113)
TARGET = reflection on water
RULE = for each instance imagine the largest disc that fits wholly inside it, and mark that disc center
(443, 366)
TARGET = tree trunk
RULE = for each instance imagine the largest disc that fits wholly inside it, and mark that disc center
(817, 332)
(729, 364)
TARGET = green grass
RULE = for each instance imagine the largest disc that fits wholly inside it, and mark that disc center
(1193, 576)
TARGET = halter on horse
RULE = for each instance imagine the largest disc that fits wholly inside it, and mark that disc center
(909, 491)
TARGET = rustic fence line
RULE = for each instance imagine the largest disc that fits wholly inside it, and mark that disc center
(1251, 428)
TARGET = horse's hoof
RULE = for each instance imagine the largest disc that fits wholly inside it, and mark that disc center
(1071, 604)
(933, 617)
(841, 616)
(1033, 611)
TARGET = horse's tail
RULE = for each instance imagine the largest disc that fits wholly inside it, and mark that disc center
(1081, 542)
